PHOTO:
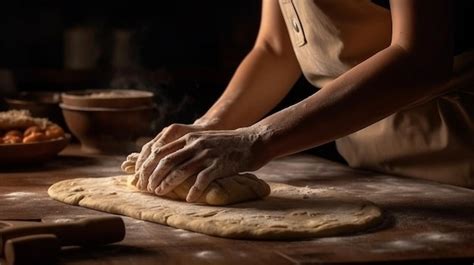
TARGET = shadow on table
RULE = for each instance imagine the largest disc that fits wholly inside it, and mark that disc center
(103, 254)
(449, 213)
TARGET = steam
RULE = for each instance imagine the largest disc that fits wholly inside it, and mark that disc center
(172, 102)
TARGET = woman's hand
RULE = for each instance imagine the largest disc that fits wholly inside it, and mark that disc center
(205, 154)
(167, 135)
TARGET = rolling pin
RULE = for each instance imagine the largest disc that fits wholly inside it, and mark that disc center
(86, 232)
(35, 249)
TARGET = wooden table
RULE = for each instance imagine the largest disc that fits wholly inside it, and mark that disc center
(427, 222)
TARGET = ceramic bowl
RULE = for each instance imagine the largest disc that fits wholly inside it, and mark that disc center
(109, 130)
(31, 153)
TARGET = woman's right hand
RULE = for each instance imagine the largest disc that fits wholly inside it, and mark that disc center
(167, 135)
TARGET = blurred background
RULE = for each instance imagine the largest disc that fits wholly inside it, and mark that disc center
(186, 52)
(183, 51)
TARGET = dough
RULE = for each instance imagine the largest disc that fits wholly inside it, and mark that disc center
(288, 213)
(223, 191)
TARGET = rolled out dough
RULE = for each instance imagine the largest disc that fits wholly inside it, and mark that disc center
(288, 213)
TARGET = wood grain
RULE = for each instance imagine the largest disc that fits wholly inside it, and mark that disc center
(427, 222)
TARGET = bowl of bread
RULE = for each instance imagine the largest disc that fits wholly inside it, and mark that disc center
(28, 140)
(39, 104)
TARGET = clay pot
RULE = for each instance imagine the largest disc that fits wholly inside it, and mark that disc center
(109, 130)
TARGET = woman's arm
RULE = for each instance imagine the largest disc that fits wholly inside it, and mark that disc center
(413, 67)
(261, 81)
(263, 78)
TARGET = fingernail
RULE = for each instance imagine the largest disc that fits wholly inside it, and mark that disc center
(192, 196)
(159, 190)
(140, 184)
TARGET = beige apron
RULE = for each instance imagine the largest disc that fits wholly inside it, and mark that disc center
(432, 140)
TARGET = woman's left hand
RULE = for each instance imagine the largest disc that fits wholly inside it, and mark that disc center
(207, 154)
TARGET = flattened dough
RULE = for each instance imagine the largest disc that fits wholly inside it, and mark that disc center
(288, 213)
(223, 191)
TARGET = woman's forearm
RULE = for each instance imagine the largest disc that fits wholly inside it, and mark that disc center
(261, 81)
(372, 90)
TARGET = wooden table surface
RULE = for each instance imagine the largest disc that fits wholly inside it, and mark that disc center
(425, 221)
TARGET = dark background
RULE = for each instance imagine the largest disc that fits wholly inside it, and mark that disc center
(186, 51)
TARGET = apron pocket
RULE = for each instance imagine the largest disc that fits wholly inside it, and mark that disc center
(295, 27)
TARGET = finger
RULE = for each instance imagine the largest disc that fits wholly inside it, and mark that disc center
(166, 165)
(145, 152)
(133, 157)
(128, 167)
(172, 134)
(151, 163)
(147, 155)
(133, 181)
(181, 173)
(203, 179)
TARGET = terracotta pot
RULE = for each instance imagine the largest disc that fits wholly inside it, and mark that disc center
(106, 130)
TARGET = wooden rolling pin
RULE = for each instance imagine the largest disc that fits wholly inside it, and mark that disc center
(86, 232)
(35, 249)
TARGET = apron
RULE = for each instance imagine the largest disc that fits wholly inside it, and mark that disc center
(432, 140)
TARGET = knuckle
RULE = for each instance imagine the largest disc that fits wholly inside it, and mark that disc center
(146, 146)
(175, 127)
(169, 180)
(202, 179)
(199, 142)
(179, 172)
(145, 165)
(207, 152)
(190, 136)
(155, 152)
(156, 146)
(164, 136)
(167, 160)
